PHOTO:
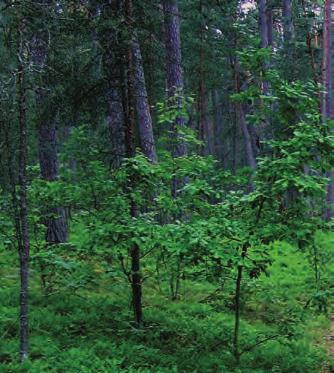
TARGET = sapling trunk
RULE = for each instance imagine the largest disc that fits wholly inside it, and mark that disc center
(24, 243)
(236, 349)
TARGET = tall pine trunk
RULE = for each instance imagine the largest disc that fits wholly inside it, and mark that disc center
(115, 109)
(218, 126)
(241, 119)
(136, 105)
(175, 92)
(55, 221)
(327, 106)
(263, 23)
(175, 83)
(145, 126)
(288, 27)
(265, 41)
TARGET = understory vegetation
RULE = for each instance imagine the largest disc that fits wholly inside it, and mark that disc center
(90, 329)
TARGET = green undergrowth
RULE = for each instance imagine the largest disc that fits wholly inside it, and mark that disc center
(91, 331)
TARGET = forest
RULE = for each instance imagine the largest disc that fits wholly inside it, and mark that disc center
(166, 186)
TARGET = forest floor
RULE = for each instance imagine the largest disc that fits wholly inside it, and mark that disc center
(329, 343)
(85, 325)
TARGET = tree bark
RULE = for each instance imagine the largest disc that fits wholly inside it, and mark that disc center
(145, 125)
(115, 110)
(136, 280)
(270, 26)
(288, 27)
(218, 126)
(55, 222)
(263, 23)
(327, 105)
(23, 234)
(265, 42)
(203, 125)
(56, 228)
(134, 85)
(240, 114)
(175, 84)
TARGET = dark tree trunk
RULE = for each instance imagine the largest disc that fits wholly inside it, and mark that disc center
(175, 84)
(218, 126)
(115, 120)
(173, 48)
(288, 27)
(136, 280)
(115, 110)
(56, 228)
(240, 115)
(201, 96)
(23, 234)
(327, 107)
(265, 35)
(142, 105)
(175, 92)
(135, 99)
(270, 26)
(250, 157)
(237, 315)
(263, 23)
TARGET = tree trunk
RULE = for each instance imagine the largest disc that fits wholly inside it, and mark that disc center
(288, 27)
(23, 234)
(263, 23)
(264, 127)
(56, 228)
(136, 280)
(270, 26)
(327, 106)
(175, 92)
(218, 126)
(115, 110)
(142, 106)
(237, 315)
(201, 96)
(240, 115)
(135, 84)
(174, 68)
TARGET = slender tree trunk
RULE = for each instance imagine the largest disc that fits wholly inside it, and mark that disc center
(327, 106)
(265, 42)
(218, 126)
(201, 96)
(237, 315)
(135, 84)
(23, 236)
(136, 281)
